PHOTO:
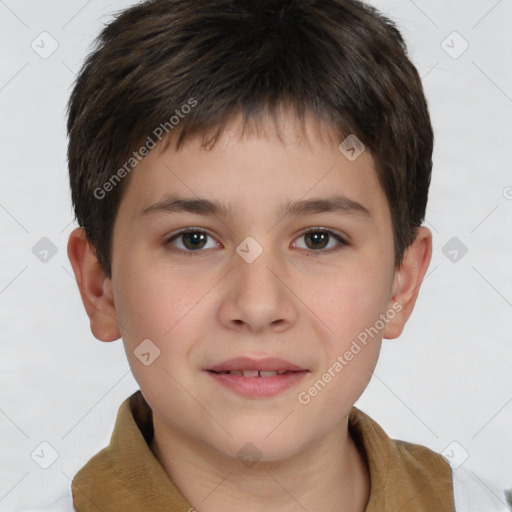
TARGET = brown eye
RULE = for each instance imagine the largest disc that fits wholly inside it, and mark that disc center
(192, 240)
(317, 240)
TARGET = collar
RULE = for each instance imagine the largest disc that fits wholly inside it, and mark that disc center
(404, 477)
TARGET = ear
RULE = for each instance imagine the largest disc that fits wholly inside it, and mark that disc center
(407, 281)
(95, 288)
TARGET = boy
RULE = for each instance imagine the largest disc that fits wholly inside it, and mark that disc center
(250, 178)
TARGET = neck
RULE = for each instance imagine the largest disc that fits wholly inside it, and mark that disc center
(332, 475)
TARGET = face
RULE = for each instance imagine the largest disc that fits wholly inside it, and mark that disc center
(253, 281)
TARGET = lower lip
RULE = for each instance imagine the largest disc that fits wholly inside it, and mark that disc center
(258, 386)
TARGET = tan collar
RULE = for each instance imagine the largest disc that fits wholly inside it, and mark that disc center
(404, 477)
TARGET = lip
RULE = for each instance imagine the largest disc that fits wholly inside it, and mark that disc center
(258, 387)
(247, 363)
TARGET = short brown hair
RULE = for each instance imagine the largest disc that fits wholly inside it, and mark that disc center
(340, 60)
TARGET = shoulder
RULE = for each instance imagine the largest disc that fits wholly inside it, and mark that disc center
(473, 492)
(63, 503)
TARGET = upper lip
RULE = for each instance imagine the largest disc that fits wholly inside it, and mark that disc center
(246, 363)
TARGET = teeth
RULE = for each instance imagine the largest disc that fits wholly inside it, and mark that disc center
(250, 373)
(256, 373)
(267, 374)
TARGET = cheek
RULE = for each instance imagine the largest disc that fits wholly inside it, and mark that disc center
(154, 299)
(156, 315)
(347, 302)
(350, 306)
(164, 307)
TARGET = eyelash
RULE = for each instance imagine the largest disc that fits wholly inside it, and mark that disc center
(342, 242)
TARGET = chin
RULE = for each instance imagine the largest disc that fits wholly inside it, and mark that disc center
(256, 444)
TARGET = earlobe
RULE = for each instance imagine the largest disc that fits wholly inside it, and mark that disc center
(407, 282)
(94, 286)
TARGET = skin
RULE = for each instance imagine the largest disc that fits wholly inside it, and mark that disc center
(290, 302)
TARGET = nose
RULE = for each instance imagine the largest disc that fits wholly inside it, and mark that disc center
(257, 293)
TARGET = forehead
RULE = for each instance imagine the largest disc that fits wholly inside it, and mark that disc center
(299, 164)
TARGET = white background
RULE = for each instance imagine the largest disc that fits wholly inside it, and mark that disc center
(448, 378)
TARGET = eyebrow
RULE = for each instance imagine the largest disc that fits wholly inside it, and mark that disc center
(337, 204)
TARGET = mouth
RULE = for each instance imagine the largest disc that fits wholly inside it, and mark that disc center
(256, 373)
(248, 367)
(257, 378)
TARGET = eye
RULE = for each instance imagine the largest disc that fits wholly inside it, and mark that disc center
(193, 240)
(318, 238)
